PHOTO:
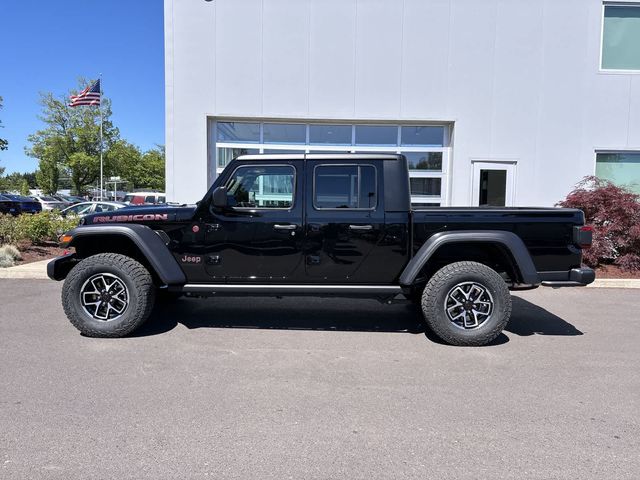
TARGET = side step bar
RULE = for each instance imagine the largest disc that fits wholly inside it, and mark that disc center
(276, 289)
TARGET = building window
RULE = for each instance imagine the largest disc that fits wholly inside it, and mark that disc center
(422, 135)
(351, 187)
(376, 135)
(330, 134)
(424, 160)
(426, 146)
(620, 168)
(621, 37)
(241, 132)
(225, 155)
(284, 133)
(426, 186)
(261, 187)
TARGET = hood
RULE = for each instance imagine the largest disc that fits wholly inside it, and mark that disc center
(145, 215)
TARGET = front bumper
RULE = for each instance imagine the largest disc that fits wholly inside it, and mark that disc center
(574, 277)
(59, 267)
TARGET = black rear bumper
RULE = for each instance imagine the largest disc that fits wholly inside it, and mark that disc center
(574, 277)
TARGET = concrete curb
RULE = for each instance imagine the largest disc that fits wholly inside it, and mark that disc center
(35, 270)
(38, 270)
(615, 283)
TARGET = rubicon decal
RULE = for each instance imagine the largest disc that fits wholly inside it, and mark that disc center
(147, 217)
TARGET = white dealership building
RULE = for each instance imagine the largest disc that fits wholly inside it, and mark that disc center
(493, 101)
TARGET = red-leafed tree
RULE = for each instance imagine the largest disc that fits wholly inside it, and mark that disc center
(614, 213)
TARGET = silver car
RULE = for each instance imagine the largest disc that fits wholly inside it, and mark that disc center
(86, 208)
(49, 203)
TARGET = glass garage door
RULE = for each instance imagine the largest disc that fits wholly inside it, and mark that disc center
(426, 147)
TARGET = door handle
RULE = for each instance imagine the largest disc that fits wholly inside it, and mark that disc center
(360, 227)
(285, 227)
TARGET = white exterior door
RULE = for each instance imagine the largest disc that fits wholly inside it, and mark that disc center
(493, 184)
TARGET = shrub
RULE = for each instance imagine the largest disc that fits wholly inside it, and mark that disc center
(614, 213)
(9, 229)
(37, 229)
(6, 260)
(12, 251)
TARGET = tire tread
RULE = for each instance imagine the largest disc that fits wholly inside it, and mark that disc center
(139, 277)
(436, 319)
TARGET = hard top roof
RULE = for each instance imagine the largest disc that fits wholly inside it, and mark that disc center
(320, 156)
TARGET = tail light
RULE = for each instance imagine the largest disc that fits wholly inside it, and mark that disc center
(583, 236)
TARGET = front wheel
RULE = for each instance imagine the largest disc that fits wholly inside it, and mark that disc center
(466, 303)
(108, 295)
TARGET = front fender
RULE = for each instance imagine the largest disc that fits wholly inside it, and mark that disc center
(148, 242)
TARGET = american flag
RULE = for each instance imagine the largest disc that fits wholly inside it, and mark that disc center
(88, 96)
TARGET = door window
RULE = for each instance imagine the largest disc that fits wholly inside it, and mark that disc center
(104, 207)
(269, 187)
(493, 188)
(345, 187)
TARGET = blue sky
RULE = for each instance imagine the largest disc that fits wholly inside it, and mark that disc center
(46, 45)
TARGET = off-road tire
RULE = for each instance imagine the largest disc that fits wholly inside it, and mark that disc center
(436, 292)
(141, 295)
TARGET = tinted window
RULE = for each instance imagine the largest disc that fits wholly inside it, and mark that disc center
(621, 37)
(261, 187)
(376, 135)
(284, 133)
(150, 199)
(80, 209)
(424, 160)
(425, 186)
(345, 186)
(330, 134)
(422, 135)
(104, 207)
(238, 132)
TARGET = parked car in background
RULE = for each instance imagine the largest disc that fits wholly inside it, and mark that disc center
(9, 206)
(49, 203)
(60, 198)
(145, 198)
(85, 208)
(27, 204)
(68, 199)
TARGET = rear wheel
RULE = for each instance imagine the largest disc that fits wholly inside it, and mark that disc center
(466, 303)
(108, 295)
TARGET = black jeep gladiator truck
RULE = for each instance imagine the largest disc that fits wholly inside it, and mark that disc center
(321, 225)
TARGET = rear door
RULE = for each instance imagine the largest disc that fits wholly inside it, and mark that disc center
(344, 219)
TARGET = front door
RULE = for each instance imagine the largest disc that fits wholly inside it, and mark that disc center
(344, 220)
(493, 184)
(259, 236)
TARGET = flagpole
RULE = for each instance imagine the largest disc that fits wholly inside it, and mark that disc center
(101, 147)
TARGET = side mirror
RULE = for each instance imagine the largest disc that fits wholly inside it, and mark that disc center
(219, 198)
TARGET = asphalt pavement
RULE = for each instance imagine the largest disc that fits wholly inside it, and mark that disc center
(308, 388)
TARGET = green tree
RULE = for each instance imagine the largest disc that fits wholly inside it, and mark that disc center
(141, 170)
(24, 187)
(69, 143)
(152, 169)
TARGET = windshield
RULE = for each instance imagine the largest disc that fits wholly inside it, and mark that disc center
(48, 199)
